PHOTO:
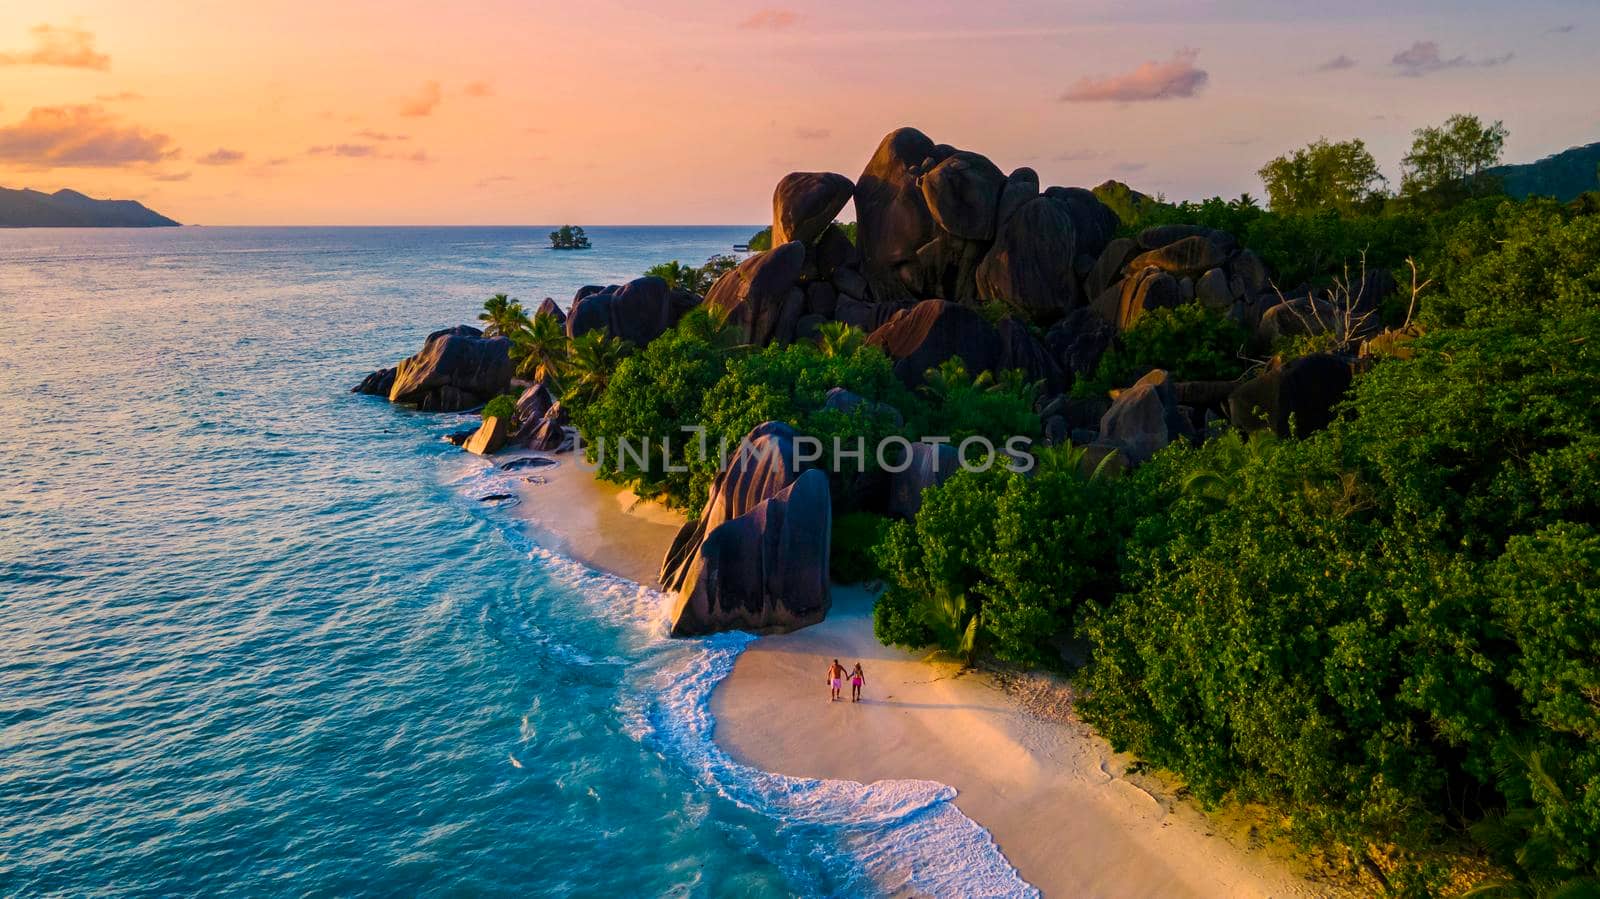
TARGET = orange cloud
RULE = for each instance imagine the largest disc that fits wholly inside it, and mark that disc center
(222, 156)
(1175, 78)
(382, 135)
(73, 136)
(424, 102)
(771, 19)
(120, 97)
(175, 176)
(68, 47)
(479, 89)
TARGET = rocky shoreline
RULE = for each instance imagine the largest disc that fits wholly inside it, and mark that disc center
(943, 234)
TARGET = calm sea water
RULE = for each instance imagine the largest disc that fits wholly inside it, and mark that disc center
(257, 635)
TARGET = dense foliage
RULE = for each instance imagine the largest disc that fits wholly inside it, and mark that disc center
(695, 279)
(632, 431)
(1022, 553)
(789, 384)
(1190, 342)
(1385, 630)
(569, 237)
(503, 406)
(1341, 176)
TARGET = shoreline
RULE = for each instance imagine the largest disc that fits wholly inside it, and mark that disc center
(1047, 790)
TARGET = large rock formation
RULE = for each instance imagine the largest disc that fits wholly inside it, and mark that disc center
(1144, 418)
(1030, 265)
(938, 222)
(490, 437)
(456, 369)
(638, 312)
(804, 205)
(376, 384)
(929, 466)
(932, 331)
(1293, 399)
(762, 296)
(757, 558)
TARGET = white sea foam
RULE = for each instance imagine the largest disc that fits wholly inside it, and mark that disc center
(889, 837)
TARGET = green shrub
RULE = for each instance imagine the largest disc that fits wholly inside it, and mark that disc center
(1323, 624)
(503, 406)
(789, 383)
(1021, 554)
(651, 396)
(953, 403)
(1189, 341)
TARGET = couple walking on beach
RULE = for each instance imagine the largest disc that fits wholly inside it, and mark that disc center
(836, 677)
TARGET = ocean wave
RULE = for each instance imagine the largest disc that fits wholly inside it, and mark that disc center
(892, 837)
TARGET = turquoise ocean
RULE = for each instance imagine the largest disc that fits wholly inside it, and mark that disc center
(258, 636)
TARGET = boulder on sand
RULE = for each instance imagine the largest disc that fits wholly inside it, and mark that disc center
(456, 369)
(804, 204)
(757, 558)
(490, 437)
(761, 296)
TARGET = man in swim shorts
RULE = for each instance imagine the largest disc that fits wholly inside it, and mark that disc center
(835, 680)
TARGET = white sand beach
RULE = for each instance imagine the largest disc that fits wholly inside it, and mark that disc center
(1053, 795)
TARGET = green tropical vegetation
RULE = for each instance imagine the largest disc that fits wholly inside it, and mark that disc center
(1341, 176)
(1382, 631)
(569, 237)
(1190, 341)
(503, 406)
(695, 279)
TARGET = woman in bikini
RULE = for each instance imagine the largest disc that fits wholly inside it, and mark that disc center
(857, 679)
(835, 680)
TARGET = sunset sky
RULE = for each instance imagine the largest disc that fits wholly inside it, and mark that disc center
(599, 112)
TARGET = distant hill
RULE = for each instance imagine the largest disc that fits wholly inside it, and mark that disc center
(1563, 176)
(70, 209)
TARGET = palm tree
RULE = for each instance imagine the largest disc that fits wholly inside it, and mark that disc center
(591, 360)
(947, 380)
(504, 315)
(540, 349)
(954, 622)
(837, 339)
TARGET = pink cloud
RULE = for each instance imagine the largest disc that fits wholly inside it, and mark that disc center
(771, 19)
(68, 47)
(1422, 58)
(1337, 64)
(221, 156)
(80, 136)
(424, 102)
(1175, 78)
(812, 133)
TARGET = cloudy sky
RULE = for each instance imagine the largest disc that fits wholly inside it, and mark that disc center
(600, 112)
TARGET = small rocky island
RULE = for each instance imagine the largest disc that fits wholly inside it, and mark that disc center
(569, 237)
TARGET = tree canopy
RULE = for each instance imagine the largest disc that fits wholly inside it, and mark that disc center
(1341, 176)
